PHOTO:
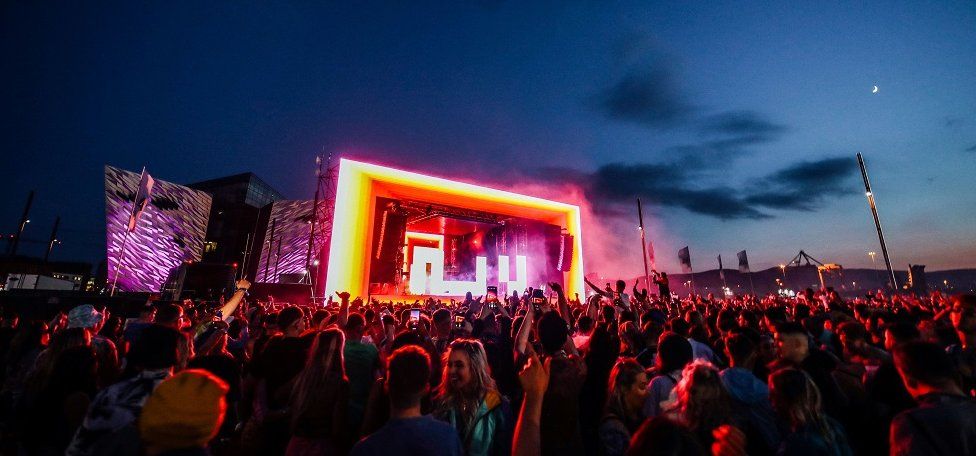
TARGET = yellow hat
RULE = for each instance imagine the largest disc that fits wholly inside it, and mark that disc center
(185, 411)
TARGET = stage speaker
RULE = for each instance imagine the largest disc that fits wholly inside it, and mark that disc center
(388, 235)
(564, 256)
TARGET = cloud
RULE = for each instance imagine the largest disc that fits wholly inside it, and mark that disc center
(713, 154)
(971, 148)
(804, 186)
(647, 97)
(614, 186)
(745, 123)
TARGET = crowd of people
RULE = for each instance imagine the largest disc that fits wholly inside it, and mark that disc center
(615, 373)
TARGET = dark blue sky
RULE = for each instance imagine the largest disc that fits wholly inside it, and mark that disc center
(736, 122)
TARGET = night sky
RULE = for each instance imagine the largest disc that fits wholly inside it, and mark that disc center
(736, 122)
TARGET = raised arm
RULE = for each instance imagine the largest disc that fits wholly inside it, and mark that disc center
(563, 304)
(343, 308)
(597, 289)
(231, 305)
(534, 379)
(522, 340)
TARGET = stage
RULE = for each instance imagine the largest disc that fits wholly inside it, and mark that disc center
(406, 236)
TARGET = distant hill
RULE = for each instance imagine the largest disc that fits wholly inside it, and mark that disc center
(849, 282)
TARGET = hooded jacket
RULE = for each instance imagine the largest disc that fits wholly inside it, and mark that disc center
(751, 397)
(491, 433)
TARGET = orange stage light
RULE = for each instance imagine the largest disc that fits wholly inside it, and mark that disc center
(359, 185)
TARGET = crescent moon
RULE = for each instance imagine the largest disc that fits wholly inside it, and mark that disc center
(874, 90)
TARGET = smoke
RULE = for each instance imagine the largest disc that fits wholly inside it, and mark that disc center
(611, 242)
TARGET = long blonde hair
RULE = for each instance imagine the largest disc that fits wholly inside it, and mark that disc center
(702, 404)
(467, 399)
(622, 377)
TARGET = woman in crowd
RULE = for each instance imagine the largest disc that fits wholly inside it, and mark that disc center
(319, 399)
(797, 402)
(701, 402)
(625, 398)
(468, 399)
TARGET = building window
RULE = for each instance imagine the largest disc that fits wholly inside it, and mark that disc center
(209, 247)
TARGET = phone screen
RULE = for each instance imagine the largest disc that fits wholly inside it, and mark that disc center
(414, 315)
(491, 294)
(459, 321)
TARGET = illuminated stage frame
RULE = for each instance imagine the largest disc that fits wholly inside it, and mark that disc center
(361, 183)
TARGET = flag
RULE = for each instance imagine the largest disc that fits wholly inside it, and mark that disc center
(684, 256)
(141, 200)
(743, 262)
(721, 272)
(650, 254)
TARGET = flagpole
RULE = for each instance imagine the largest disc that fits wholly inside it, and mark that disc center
(125, 238)
(118, 264)
(640, 217)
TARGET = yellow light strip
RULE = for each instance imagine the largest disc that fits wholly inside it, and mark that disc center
(439, 238)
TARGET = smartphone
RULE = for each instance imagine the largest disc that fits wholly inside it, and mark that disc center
(492, 294)
(414, 318)
(459, 321)
(537, 304)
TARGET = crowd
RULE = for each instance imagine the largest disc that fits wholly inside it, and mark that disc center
(612, 374)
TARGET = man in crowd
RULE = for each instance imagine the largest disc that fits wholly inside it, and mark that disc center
(748, 392)
(442, 329)
(408, 432)
(945, 420)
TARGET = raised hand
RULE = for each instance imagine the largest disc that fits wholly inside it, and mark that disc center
(534, 377)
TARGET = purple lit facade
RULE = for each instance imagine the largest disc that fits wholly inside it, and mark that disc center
(170, 232)
(292, 227)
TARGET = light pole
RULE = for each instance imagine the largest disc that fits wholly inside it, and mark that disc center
(877, 220)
